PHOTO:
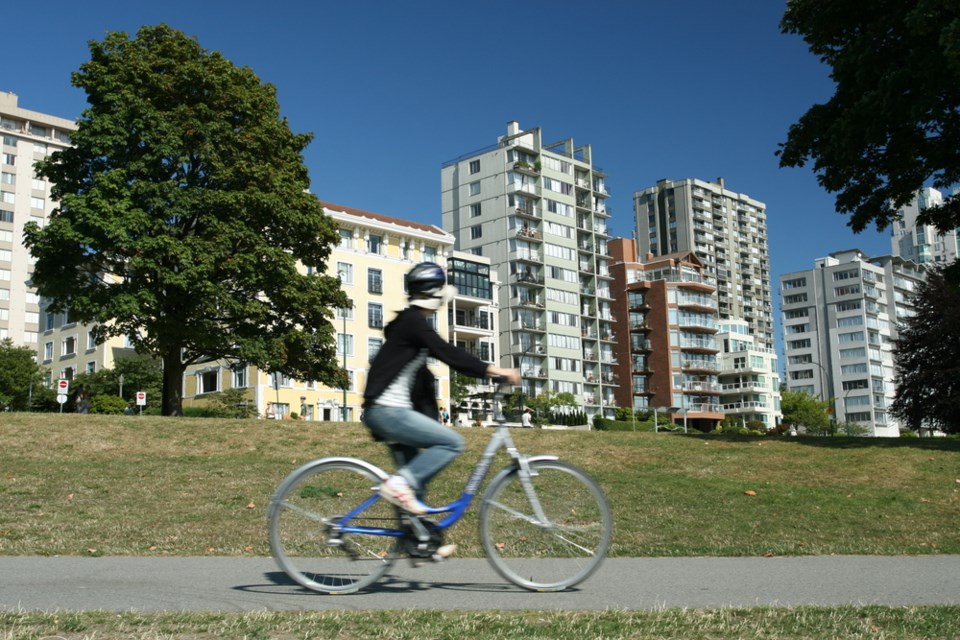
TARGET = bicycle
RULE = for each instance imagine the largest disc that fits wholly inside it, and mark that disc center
(545, 525)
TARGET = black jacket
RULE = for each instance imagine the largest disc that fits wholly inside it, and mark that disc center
(406, 337)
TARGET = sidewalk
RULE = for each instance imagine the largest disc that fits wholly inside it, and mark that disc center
(251, 584)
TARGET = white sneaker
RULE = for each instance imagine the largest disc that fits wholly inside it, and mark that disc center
(444, 552)
(396, 490)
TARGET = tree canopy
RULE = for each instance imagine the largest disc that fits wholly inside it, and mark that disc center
(20, 375)
(893, 124)
(803, 410)
(184, 216)
(927, 356)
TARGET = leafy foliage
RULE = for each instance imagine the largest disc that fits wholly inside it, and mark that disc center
(19, 376)
(927, 356)
(894, 121)
(184, 216)
(802, 409)
(140, 373)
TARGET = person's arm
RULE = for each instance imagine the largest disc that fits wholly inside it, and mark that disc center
(510, 375)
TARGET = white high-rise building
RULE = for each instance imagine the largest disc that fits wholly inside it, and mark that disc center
(922, 243)
(539, 212)
(728, 233)
(28, 136)
(839, 325)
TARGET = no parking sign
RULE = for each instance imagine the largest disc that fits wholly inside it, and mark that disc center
(141, 399)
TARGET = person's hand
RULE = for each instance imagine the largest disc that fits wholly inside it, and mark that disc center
(509, 375)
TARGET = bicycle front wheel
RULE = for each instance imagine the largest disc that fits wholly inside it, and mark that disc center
(555, 546)
(307, 527)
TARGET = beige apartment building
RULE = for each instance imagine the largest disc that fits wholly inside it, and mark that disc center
(374, 254)
(538, 210)
(28, 136)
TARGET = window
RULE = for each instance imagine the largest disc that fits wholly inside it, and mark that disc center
(853, 336)
(8, 197)
(91, 367)
(6, 216)
(847, 369)
(4, 274)
(91, 340)
(6, 255)
(795, 283)
(38, 185)
(208, 381)
(37, 203)
(373, 347)
(344, 313)
(374, 315)
(475, 210)
(474, 188)
(800, 344)
(848, 290)
(68, 346)
(374, 281)
(239, 374)
(374, 243)
(346, 239)
(344, 344)
(10, 159)
(852, 321)
(476, 231)
(48, 351)
(846, 275)
(474, 166)
(854, 384)
(345, 272)
(856, 352)
(8, 178)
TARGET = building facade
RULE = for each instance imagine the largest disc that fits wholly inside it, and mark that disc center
(538, 212)
(374, 254)
(728, 233)
(749, 378)
(28, 136)
(666, 347)
(921, 243)
(839, 323)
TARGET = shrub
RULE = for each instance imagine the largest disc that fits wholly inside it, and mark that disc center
(107, 404)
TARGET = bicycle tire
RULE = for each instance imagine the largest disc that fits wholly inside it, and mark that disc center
(303, 518)
(553, 556)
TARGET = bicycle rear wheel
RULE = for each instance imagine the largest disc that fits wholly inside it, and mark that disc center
(305, 518)
(552, 555)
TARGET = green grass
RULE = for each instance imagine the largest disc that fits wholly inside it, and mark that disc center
(146, 486)
(807, 623)
(129, 485)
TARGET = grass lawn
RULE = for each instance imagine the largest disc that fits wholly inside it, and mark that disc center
(147, 486)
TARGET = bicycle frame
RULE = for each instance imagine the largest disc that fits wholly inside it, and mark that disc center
(501, 439)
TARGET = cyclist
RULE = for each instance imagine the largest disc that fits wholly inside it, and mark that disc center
(399, 402)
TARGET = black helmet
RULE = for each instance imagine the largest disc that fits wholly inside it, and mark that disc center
(425, 280)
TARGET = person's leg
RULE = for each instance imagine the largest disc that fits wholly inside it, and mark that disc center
(439, 445)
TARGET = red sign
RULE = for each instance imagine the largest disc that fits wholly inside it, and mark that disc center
(63, 386)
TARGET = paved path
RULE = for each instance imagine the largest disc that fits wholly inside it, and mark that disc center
(252, 584)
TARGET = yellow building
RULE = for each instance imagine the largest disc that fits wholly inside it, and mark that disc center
(374, 254)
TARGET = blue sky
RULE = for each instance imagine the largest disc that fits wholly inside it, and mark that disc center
(679, 89)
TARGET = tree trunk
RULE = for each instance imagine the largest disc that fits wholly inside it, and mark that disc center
(172, 383)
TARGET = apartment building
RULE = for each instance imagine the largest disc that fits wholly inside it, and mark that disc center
(28, 136)
(538, 211)
(728, 233)
(666, 355)
(921, 243)
(374, 254)
(839, 324)
(749, 378)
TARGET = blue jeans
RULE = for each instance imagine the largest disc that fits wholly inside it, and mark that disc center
(422, 446)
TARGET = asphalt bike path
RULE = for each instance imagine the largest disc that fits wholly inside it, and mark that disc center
(256, 584)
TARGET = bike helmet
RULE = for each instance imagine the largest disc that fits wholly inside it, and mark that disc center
(426, 284)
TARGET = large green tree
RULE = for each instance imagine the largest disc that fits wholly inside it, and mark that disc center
(801, 409)
(893, 124)
(20, 376)
(183, 214)
(927, 355)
